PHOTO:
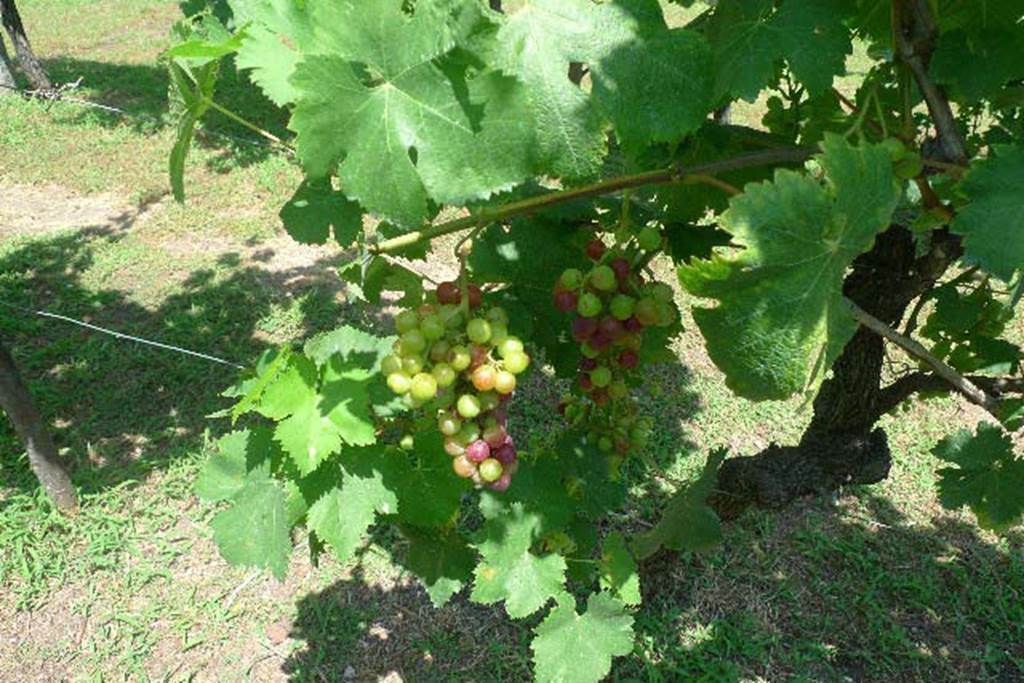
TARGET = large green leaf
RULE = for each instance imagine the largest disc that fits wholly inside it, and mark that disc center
(977, 67)
(991, 223)
(814, 40)
(745, 47)
(578, 648)
(618, 571)
(510, 571)
(315, 209)
(782, 318)
(988, 477)
(240, 457)
(376, 106)
(254, 531)
(441, 559)
(688, 523)
(343, 515)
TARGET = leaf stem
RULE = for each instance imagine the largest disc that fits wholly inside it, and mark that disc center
(659, 177)
(248, 124)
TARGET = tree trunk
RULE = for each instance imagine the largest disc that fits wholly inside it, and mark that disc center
(7, 84)
(27, 60)
(840, 445)
(16, 401)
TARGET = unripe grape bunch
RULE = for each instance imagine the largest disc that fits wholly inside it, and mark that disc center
(612, 304)
(456, 358)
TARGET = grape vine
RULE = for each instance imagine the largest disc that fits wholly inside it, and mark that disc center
(852, 221)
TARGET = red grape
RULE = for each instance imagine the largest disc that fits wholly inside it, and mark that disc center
(633, 325)
(600, 396)
(587, 364)
(448, 293)
(610, 327)
(506, 455)
(585, 383)
(476, 296)
(566, 300)
(494, 436)
(600, 341)
(502, 482)
(478, 451)
(478, 355)
(621, 268)
(628, 359)
(583, 328)
(595, 249)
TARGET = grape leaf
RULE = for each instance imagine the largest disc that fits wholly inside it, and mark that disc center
(977, 68)
(745, 46)
(251, 389)
(509, 571)
(315, 209)
(988, 478)
(990, 222)
(618, 570)
(342, 517)
(814, 40)
(688, 522)
(254, 531)
(376, 106)
(270, 51)
(578, 648)
(360, 349)
(656, 89)
(782, 317)
(538, 487)
(442, 561)
(428, 490)
(241, 456)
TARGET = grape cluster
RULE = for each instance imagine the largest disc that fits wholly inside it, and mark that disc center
(455, 356)
(612, 304)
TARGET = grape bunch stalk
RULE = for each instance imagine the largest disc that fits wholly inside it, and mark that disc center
(455, 356)
(612, 304)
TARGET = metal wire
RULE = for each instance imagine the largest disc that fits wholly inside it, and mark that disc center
(122, 335)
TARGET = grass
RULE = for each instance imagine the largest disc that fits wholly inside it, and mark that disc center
(876, 583)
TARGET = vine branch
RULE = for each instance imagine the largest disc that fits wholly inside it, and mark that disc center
(701, 173)
(950, 376)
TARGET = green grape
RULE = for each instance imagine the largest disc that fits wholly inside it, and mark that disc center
(516, 362)
(423, 387)
(410, 402)
(662, 292)
(444, 374)
(488, 401)
(460, 358)
(468, 406)
(666, 313)
(589, 351)
(449, 424)
(399, 382)
(390, 364)
(412, 365)
(467, 434)
(618, 390)
(895, 148)
(445, 399)
(499, 333)
(571, 278)
(622, 306)
(413, 342)
(504, 382)
(406, 321)
(406, 443)
(601, 376)
(589, 305)
(432, 327)
(490, 470)
(604, 443)
(510, 345)
(649, 238)
(603, 278)
(452, 316)
(497, 315)
(439, 351)
(910, 166)
(646, 311)
(478, 330)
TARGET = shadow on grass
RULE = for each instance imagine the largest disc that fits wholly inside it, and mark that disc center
(808, 594)
(142, 91)
(122, 409)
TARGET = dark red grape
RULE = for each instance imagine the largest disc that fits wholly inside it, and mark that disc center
(494, 436)
(621, 268)
(587, 364)
(595, 249)
(628, 359)
(502, 483)
(506, 455)
(600, 341)
(448, 293)
(633, 325)
(600, 396)
(583, 328)
(479, 356)
(610, 327)
(478, 451)
(476, 296)
(622, 446)
(566, 300)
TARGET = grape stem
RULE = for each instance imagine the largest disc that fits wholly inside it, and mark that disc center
(700, 173)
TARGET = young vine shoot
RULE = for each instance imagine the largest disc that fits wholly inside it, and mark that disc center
(582, 155)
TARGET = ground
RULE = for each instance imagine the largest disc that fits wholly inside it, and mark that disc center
(873, 584)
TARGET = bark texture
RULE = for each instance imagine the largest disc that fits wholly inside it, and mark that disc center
(16, 401)
(841, 445)
(7, 84)
(27, 60)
